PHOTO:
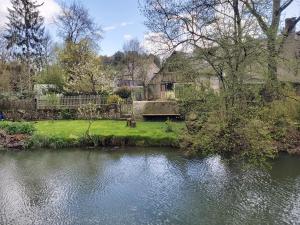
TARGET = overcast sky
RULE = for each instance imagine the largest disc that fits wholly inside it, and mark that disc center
(120, 19)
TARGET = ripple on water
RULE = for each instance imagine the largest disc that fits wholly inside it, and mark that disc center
(143, 187)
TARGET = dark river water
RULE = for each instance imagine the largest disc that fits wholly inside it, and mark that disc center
(144, 186)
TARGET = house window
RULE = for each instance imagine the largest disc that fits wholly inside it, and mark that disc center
(169, 86)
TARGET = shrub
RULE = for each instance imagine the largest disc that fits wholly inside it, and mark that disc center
(17, 127)
(50, 100)
(114, 99)
(68, 114)
(54, 75)
(169, 126)
(123, 92)
(245, 138)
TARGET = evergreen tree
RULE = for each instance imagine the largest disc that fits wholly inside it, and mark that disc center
(25, 36)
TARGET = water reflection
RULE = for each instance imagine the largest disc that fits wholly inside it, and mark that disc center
(144, 187)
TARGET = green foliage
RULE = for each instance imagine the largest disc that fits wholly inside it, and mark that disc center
(56, 142)
(244, 130)
(51, 100)
(123, 92)
(114, 99)
(17, 127)
(68, 114)
(61, 134)
(53, 74)
(26, 25)
(84, 69)
(198, 100)
(242, 137)
(169, 126)
(76, 128)
(253, 130)
(89, 112)
(5, 77)
(53, 142)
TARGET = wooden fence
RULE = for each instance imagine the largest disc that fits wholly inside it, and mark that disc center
(75, 102)
(56, 103)
(69, 102)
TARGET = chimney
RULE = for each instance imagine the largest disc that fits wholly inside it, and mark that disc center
(290, 25)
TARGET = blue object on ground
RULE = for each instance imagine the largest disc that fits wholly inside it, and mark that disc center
(2, 117)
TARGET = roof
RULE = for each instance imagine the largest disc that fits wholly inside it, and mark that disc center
(182, 67)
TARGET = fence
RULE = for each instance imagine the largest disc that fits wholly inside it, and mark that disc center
(69, 102)
(75, 102)
(50, 106)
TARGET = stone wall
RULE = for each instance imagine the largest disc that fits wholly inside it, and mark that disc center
(155, 108)
(110, 112)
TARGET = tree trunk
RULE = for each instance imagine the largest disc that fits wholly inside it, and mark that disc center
(272, 59)
(272, 85)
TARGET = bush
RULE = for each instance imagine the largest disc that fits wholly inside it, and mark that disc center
(17, 127)
(169, 126)
(245, 138)
(54, 75)
(123, 92)
(114, 99)
(51, 100)
(68, 114)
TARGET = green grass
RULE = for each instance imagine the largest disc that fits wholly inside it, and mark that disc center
(72, 132)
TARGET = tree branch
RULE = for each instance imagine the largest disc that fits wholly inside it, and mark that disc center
(285, 5)
(259, 18)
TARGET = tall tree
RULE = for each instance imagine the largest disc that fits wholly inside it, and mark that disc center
(268, 15)
(76, 24)
(219, 32)
(132, 59)
(85, 71)
(25, 36)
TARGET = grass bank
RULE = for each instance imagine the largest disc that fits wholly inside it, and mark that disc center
(71, 133)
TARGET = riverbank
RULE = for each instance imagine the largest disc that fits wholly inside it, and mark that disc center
(72, 133)
(57, 134)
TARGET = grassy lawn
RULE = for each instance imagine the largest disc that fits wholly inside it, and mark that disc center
(77, 128)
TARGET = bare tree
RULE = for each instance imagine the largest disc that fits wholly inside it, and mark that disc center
(90, 113)
(75, 24)
(268, 15)
(132, 50)
(220, 32)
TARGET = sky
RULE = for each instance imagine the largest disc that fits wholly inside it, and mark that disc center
(121, 20)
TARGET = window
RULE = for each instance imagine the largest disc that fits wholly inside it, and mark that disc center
(169, 86)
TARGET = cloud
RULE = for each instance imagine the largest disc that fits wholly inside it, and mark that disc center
(128, 37)
(157, 44)
(48, 10)
(124, 24)
(109, 28)
(114, 27)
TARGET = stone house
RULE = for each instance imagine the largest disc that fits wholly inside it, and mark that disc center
(180, 70)
(288, 68)
(289, 61)
(139, 81)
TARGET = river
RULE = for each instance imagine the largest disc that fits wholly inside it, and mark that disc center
(144, 186)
